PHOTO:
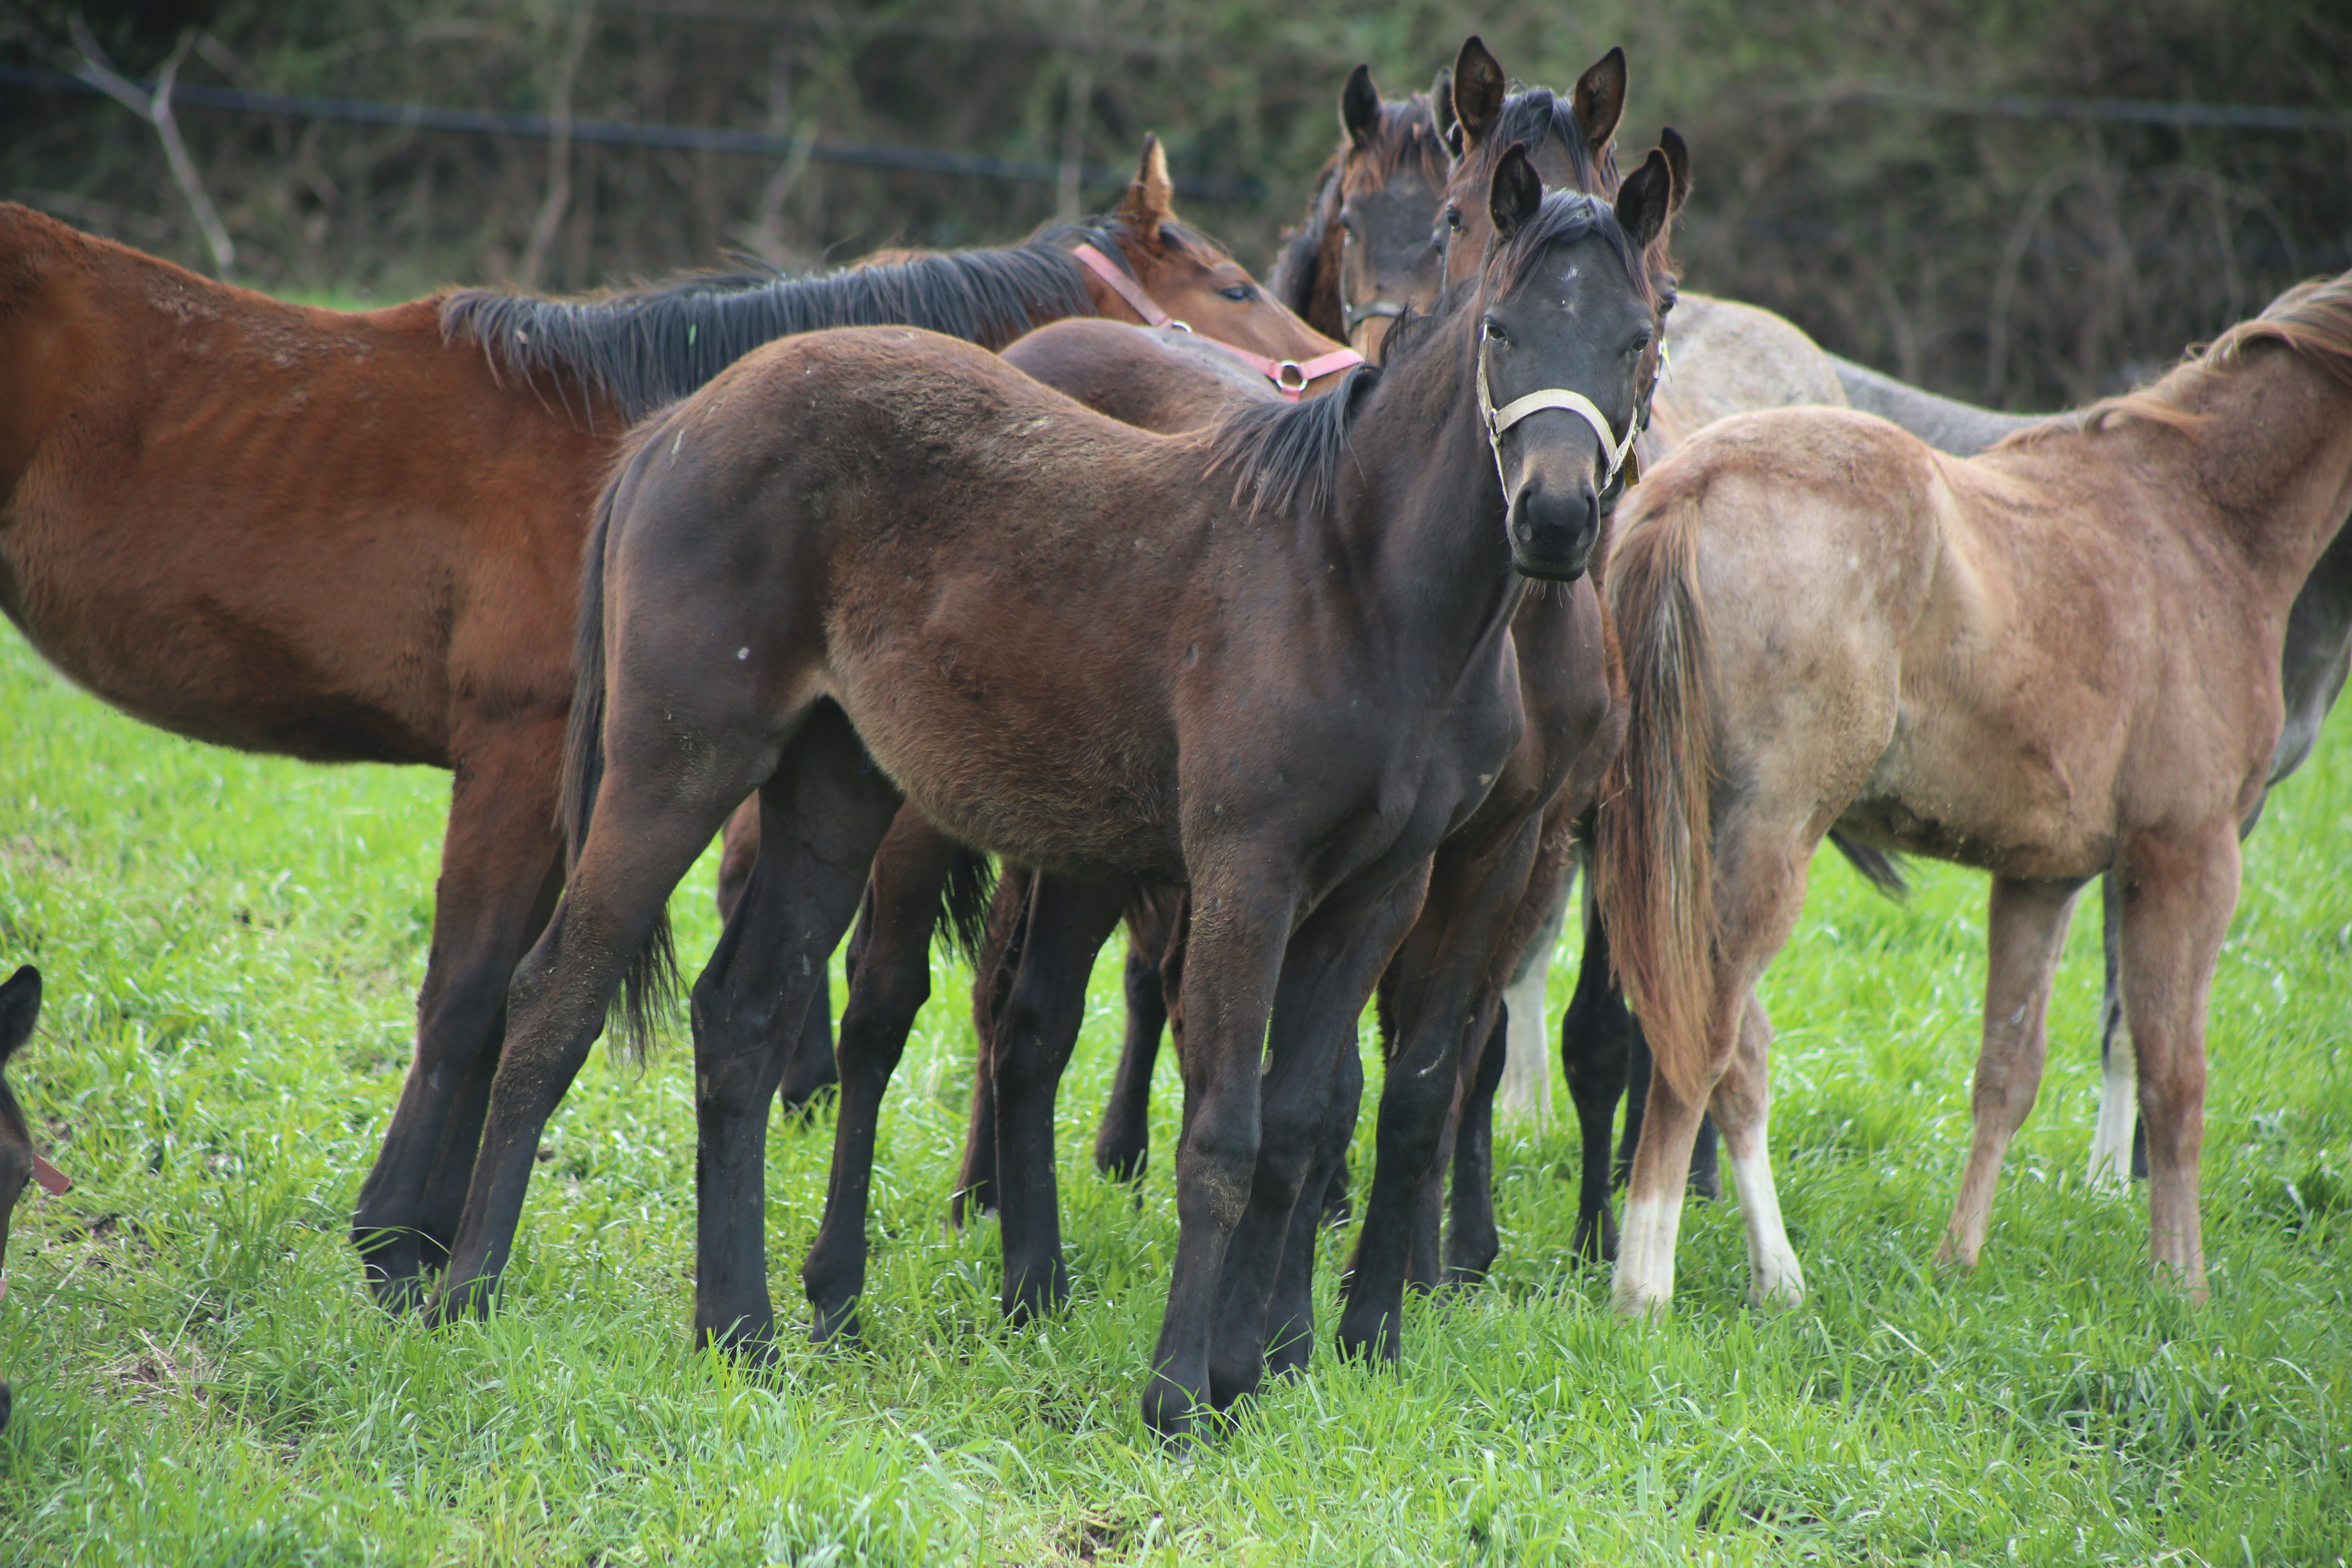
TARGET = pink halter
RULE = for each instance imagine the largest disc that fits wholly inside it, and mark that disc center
(1289, 376)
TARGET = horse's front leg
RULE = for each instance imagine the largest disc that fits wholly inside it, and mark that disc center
(890, 980)
(1429, 991)
(1232, 955)
(821, 816)
(1123, 1140)
(501, 864)
(1327, 974)
(2025, 932)
(2177, 896)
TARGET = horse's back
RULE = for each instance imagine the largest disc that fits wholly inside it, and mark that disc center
(1726, 358)
(271, 526)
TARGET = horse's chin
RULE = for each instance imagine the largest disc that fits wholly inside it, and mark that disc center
(1565, 567)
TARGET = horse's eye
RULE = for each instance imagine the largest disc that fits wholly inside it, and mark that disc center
(1454, 219)
(1640, 344)
(1493, 332)
(1240, 293)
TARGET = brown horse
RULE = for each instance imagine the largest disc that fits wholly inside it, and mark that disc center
(864, 562)
(1368, 249)
(189, 528)
(20, 1164)
(2057, 659)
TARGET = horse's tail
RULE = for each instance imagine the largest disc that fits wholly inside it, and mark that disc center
(963, 903)
(1654, 842)
(650, 987)
(1879, 868)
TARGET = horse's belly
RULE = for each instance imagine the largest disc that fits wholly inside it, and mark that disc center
(1069, 797)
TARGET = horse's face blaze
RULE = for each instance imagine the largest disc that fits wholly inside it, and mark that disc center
(1578, 322)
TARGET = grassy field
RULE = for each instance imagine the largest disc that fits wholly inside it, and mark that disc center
(231, 945)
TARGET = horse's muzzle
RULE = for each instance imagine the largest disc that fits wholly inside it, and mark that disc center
(1553, 531)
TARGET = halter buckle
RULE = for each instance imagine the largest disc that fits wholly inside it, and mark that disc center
(1284, 373)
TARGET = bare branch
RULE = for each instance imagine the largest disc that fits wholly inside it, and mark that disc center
(156, 110)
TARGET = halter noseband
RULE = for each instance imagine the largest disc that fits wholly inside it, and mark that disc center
(1289, 376)
(1498, 420)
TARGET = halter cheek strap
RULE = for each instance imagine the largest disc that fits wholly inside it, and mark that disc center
(1498, 420)
(1289, 376)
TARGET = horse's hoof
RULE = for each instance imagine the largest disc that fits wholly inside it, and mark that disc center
(1380, 1343)
(748, 1337)
(398, 1295)
(1777, 1291)
(1174, 1414)
(1643, 1304)
(460, 1299)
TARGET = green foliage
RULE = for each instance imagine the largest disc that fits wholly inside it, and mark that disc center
(2030, 264)
(230, 944)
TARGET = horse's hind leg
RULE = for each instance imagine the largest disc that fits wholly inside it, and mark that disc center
(1471, 1241)
(1759, 889)
(891, 980)
(1123, 1141)
(994, 969)
(645, 835)
(496, 859)
(1595, 1052)
(821, 815)
(2119, 1144)
(1290, 1316)
(1742, 1105)
(809, 1069)
(1069, 920)
(2024, 934)
(2177, 898)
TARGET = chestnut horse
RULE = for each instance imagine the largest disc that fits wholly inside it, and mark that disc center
(2057, 659)
(189, 529)
(868, 561)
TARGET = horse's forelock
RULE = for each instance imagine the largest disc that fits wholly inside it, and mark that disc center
(1565, 216)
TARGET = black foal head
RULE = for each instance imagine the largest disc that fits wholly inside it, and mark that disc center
(1568, 353)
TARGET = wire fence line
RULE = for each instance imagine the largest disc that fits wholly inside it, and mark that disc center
(981, 165)
(616, 134)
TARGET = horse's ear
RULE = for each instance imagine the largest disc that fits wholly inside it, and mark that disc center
(1479, 90)
(1516, 191)
(1600, 98)
(1669, 143)
(1359, 108)
(1151, 199)
(1646, 200)
(20, 1006)
(1441, 109)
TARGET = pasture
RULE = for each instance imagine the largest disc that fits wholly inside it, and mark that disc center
(231, 946)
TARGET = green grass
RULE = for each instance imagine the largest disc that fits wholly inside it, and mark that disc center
(231, 944)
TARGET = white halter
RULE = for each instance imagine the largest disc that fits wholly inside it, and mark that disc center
(1498, 420)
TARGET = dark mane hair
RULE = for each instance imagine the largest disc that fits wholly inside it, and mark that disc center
(1567, 215)
(1297, 266)
(1284, 457)
(647, 347)
(1536, 115)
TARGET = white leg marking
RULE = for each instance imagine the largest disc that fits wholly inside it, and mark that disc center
(2111, 1142)
(1645, 1255)
(1774, 1278)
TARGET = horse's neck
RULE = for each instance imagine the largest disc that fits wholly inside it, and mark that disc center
(1429, 509)
(2271, 459)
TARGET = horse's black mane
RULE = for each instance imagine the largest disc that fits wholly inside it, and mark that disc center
(1286, 456)
(651, 346)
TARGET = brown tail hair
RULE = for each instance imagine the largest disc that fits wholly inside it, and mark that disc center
(1653, 862)
(651, 989)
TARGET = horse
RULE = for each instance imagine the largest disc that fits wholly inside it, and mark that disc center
(21, 1165)
(354, 537)
(832, 575)
(1368, 249)
(2057, 659)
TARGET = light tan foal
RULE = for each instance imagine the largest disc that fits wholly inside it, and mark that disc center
(2055, 660)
